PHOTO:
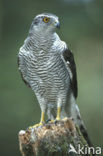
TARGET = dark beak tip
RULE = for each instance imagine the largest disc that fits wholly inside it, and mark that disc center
(58, 25)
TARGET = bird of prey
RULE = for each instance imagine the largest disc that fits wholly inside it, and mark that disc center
(48, 67)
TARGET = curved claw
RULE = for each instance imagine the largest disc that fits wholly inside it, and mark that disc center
(36, 125)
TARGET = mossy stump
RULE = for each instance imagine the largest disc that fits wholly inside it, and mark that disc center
(52, 139)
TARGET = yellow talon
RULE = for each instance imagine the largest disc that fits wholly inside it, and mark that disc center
(58, 113)
(42, 121)
(51, 121)
(36, 125)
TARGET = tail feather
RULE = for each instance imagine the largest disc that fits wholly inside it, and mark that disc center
(75, 113)
(85, 134)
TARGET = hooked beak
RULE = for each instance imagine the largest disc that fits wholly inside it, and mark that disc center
(57, 24)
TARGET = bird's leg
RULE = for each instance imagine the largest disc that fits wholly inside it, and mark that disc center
(42, 121)
(58, 113)
(42, 117)
(59, 105)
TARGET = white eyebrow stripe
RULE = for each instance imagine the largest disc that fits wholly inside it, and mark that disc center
(41, 15)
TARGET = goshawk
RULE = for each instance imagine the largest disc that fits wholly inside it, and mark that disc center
(48, 67)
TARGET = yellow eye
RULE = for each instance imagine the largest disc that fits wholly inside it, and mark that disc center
(46, 19)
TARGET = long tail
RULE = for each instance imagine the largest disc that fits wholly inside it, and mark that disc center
(75, 113)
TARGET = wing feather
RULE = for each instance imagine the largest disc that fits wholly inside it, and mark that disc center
(23, 68)
(69, 59)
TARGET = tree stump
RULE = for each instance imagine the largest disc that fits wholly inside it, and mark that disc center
(60, 138)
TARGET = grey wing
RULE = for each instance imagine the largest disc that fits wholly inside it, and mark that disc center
(22, 65)
(70, 63)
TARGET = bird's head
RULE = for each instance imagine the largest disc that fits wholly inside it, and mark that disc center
(45, 23)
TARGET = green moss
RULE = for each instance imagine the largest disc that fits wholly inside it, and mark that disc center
(83, 141)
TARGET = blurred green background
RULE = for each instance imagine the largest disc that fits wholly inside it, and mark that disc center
(82, 28)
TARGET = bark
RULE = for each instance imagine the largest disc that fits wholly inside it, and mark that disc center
(52, 139)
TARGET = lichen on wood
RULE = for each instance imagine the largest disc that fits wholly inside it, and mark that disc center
(51, 139)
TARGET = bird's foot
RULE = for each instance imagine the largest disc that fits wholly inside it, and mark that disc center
(55, 121)
(37, 125)
(50, 121)
(58, 118)
(58, 114)
(64, 119)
